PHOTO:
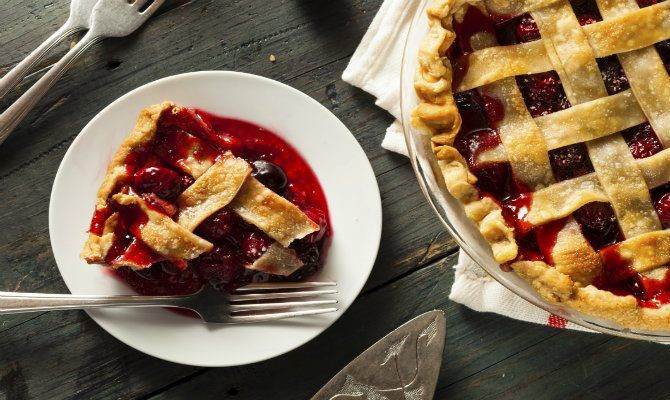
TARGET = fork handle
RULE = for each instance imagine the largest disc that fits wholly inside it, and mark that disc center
(21, 107)
(16, 303)
(16, 74)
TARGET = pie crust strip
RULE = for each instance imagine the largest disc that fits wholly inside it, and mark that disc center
(143, 132)
(212, 191)
(618, 35)
(591, 120)
(523, 141)
(437, 115)
(646, 252)
(163, 235)
(277, 217)
(612, 160)
(277, 260)
(646, 73)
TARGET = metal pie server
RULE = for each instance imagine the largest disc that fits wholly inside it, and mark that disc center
(402, 365)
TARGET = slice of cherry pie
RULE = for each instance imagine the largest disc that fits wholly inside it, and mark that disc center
(550, 122)
(190, 197)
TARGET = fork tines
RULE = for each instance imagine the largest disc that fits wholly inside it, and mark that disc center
(254, 298)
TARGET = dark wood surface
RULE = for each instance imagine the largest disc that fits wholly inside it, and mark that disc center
(66, 355)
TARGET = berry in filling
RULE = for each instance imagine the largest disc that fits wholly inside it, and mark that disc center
(570, 162)
(543, 94)
(642, 141)
(613, 75)
(161, 170)
(663, 49)
(163, 182)
(599, 224)
(661, 198)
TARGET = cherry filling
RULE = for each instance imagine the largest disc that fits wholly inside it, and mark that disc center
(570, 162)
(543, 94)
(160, 171)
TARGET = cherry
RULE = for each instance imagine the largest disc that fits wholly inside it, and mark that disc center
(496, 179)
(662, 205)
(170, 268)
(493, 109)
(613, 75)
(320, 219)
(515, 210)
(647, 3)
(586, 11)
(309, 254)
(570, 162)
(218, 226)
(270, 175)
(642, 141)
(186, 181)
(254, 244)
(219, 266)
(527, 30)
(470, 144)
(224, 142)
(472, 111)
(586, 19)
(163, 182)
(543, 93)
(599, 224)
(663, 49)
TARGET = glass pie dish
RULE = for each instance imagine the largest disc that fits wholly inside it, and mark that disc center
(451, 213)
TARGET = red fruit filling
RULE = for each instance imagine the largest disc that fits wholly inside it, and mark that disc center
(663, 49)
(526, 29)
(599, 224)
(661, 198)
(161, 181)
(613, 75)
(642, 141)
(544, 94)
(570, 162)
(158, 172)
(647, 3)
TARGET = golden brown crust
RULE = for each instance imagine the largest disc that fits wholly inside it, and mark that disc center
(96, 247)
(624, 310)
(160, 233)
(277, 217)
(576, 264)
(219, 183)
(277, 260)
(437, 116)
(142, 133)
(212, 191)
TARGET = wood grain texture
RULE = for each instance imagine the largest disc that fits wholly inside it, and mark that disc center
(66, 355)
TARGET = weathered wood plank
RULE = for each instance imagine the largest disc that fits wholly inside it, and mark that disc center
(486, 356)
(27, 172)
(230, 35)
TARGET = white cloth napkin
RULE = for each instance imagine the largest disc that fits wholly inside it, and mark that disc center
(375, 68)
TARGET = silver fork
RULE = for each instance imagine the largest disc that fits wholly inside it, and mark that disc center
(109, 18)
(80, 14)
(252, 303)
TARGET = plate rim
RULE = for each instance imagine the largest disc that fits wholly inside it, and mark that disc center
(368, 170)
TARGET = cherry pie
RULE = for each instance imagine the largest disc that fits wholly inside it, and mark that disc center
(190, 197)
(550, 122)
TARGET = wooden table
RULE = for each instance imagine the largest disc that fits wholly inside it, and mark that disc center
(66, 355)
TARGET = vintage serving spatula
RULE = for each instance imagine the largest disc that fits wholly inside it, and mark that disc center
(402, 365)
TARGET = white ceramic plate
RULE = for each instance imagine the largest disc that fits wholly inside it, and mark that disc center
(335, 156)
